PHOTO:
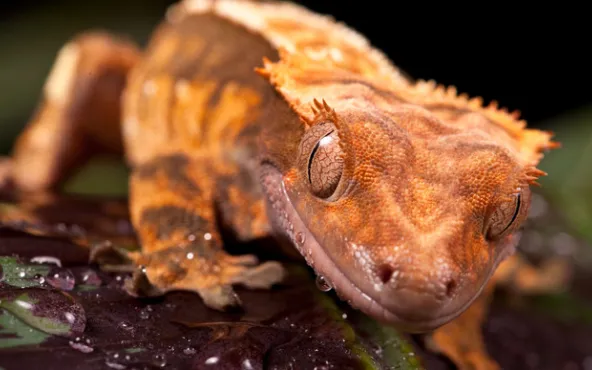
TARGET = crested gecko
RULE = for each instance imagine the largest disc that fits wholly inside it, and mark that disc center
(270, 119)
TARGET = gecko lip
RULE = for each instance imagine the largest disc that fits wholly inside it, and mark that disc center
(359, 294)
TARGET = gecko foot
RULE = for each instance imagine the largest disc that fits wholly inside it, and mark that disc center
(552, 276)
(461, 340)
(211, 276)
(111, 258)
(465, 354)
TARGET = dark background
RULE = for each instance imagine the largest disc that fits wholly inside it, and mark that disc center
(532, 59)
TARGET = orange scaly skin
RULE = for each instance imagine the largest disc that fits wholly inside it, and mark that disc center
(404, 195)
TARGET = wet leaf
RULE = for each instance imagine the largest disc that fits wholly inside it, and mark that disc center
(14, 332)
(50, 311)
(17, 274)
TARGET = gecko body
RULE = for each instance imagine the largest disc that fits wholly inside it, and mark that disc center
(269, 119)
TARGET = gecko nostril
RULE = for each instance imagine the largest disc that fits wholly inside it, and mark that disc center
(451, 287)
(385, 272)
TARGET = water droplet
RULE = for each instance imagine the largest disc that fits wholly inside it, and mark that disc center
(212, 360)
(208, 236)
(61, 278)
(82, 347)
(247, 365)
(191, 237)
(91, 278)
(114, 365)
(323, 284)
(50, 311)
(47, 259)
(190, 255)
(160, 360)
(344, 316)
(144, 314)
(189, 351)
(300, 238)
(125, 325)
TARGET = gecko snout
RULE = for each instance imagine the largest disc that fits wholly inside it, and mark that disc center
(420, 294)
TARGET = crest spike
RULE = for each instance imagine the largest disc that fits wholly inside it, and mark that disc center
(318, 104)
(305, 121)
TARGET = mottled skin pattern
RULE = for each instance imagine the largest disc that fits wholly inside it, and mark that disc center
(403, 195)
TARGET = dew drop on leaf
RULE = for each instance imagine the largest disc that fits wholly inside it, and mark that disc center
(189, 351)
(80, 345)
(144, 314)
(60, 278)
(47, 260)
(160, 360)
(125, 325)
(90, 277)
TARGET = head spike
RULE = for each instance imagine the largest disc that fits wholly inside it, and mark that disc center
(305, 121)
(318, 104)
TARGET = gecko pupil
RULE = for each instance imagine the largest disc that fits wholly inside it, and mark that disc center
(312, 155)
(515, 215)
(516, 212)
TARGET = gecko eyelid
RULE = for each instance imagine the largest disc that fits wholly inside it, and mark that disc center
(516, 212)
(502, 219)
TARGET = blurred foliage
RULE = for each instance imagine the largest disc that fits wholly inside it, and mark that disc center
(569, 181)
(30, 40)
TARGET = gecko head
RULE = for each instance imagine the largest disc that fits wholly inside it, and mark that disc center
(404, 215)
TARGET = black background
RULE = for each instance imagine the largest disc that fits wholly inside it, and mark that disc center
(529, 58)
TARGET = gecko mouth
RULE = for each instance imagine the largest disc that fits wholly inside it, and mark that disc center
(358, 294)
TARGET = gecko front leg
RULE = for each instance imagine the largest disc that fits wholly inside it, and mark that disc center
(172, 205)
(461, 340)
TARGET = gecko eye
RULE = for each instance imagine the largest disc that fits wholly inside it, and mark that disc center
(325, 163)
(506, 215)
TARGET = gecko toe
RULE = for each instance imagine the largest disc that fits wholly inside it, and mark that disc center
(263, 276)
(221, 297)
